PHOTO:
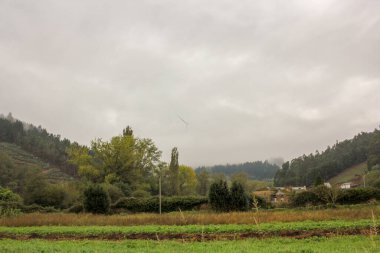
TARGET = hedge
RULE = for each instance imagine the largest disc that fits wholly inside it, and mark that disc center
(358, 195)
(27, 208)
(168, 204)
(305, 198)
(345, 196)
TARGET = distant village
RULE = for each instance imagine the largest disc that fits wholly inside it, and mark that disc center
(278, 196)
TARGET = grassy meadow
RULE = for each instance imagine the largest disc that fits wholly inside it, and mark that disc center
(354, 212)
(309, 245)
(192, 229)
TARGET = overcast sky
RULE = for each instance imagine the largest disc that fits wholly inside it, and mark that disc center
(253, 79)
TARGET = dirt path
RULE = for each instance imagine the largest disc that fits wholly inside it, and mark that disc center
(300, 234)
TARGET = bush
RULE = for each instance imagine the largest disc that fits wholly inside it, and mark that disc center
(37, 208)
(169, 204)
(7, 195)
(52, 195)
(26, 208)
(261, 202)
(58, 196)
(223, 199)
(96, 200)
(240, 201)
(10, 203)
(358, 195)
(344, 197)
(219, 196)
(305, 198)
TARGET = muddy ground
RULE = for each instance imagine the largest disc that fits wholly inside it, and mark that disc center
(299, 234)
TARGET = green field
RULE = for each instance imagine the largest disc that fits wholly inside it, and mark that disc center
(164, 229)
(311, 245)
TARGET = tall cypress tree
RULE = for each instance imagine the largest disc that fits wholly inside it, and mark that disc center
(174, 172)
(239, 199)
(219, 196)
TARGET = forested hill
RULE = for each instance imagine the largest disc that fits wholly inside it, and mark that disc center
(304, 170)
(37, 141)
(255, 170)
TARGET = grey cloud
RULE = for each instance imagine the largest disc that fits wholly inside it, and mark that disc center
(254, 79)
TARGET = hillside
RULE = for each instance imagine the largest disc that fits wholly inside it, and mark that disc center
(37, 141)
(23, 160)
(364, 148)
(352, 174)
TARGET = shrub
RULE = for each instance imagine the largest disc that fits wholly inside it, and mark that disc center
(7, 195)
(239, 199)
(52, 195)
(344, 196)
(327, 195)
(9, 203)
(37, 208)
(55, 195)
(169, 204)
(358, 195)
(305, 198)
(219, 196)
(260, 201)
(223, 199)
(96, 200)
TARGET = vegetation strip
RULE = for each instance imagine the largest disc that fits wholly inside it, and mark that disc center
(270, 245)
(297, 234)
(199, 232)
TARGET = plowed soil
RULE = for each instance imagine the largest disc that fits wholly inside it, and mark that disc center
(299, 234)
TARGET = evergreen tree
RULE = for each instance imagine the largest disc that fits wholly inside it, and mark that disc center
(239, 199)
(219, 196)
(174, 172)
(128, 131)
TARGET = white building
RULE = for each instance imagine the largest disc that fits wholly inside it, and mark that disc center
(299, 188)
(345, 185)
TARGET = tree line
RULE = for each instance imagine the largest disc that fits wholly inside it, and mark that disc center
(254, 170)
(306, 169)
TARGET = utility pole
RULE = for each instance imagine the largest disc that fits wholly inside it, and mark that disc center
(159, 189)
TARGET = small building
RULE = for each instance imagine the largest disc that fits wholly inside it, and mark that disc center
(299, 188)
(345, 185)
